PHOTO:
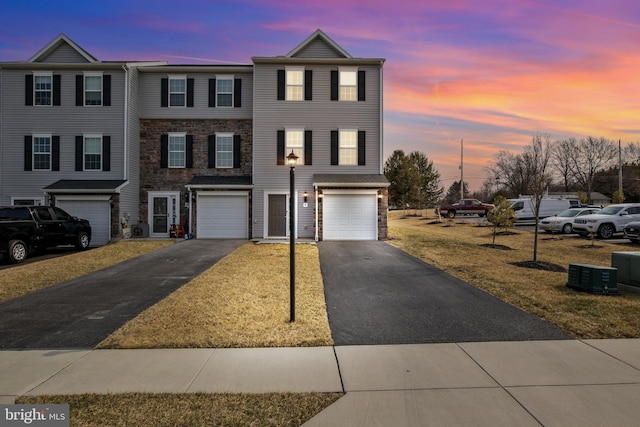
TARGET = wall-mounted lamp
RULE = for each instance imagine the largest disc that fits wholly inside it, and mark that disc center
(306, 195)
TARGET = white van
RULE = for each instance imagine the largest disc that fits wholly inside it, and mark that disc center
(525, 209)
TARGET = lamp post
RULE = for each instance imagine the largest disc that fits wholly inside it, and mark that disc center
(292, 159)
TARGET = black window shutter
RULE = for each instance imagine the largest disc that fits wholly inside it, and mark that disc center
(106, 90)
(79, 91)
(334, 85)
(164, 151)
(189, 153)
(212, 151)
(56, 89)
(361, 148)
(55, 153)
(237, 93)
(189, 92)
(212, 93)
(361, 84)
(106, 153)
(164, 92)
(79, 153)
(237, 154)
(281, 85)
(334, 147)
(28, 90)
(28, 152)
(308, 148)
(308, 85)
(280, 150)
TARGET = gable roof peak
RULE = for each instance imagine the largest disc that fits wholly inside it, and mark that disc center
(55, 43)
(322, 36)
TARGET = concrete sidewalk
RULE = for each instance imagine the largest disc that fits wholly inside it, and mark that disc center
(550, 383)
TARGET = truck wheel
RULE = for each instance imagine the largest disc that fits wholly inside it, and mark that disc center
(451, 214)
(605, 231)
(17, 251)
(82, 241)
(567, 228)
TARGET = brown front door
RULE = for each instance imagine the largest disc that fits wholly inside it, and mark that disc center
(277, 215)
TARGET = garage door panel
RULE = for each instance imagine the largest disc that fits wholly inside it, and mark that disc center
(350, 217)
(223, 217)
(97, 212)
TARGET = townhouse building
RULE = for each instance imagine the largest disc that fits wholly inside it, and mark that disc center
(153, 146)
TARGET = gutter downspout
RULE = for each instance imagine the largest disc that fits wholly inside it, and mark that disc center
(315, 188)
(190, 211)
(381, 123)
(125, 172)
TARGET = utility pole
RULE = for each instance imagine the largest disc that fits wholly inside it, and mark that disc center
(461, 169)
(620, 169)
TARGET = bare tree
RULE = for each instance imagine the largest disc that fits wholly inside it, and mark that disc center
(592, 155)
(631, 154)
(536, 160)
(509, 170)
(563, 153)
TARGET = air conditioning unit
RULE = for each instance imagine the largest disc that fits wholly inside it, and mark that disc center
(593, 279)
(628, 265)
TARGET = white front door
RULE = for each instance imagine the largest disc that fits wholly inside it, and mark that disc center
(163, 211)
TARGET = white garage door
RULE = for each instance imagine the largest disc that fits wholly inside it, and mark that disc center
(350, 217)
(223, 216)
(98, 213)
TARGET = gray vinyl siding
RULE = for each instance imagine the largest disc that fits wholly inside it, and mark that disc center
(130, 195)
(318, 49)
(150, 100)
(64, 54)
(321, 116)
(65, 121)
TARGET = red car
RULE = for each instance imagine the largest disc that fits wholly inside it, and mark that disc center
(466, 207)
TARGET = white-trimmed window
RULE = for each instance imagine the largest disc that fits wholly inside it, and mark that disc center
(224, 150)
(42, 88)
(294, 141)
(27, 201)
(93, 89)
(177, 91)
(348, 84)
(92, 152)
(348, 147)
(177, 150)
(42, 152)
(295, 84)
(224, 91)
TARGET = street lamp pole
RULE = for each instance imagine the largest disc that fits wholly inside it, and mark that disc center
(292, 159)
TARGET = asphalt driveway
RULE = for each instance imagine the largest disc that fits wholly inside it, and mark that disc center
(378, 294)
(82, 312)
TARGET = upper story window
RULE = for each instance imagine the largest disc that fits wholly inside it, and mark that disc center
(348, 85)
(177, 91)
(42, 152)
(295, 84)
(348, 147)
(42, 89)
(294, 141)
(224, 150)
(224, 91)
(93, 152)
(92, 89)
(177, 150)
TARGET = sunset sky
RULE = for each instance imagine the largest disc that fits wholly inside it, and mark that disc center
(491, 72)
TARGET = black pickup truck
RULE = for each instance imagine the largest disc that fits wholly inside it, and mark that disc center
(27, 228)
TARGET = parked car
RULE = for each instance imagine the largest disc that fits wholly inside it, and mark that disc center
(525, 209)
(632, 231)
(563, 222)
(466, 207)
(27, 228)
(608, 221)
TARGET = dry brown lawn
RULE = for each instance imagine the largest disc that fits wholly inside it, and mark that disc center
(242, 301)
(197, 409)
(457, 248)
(22, 279)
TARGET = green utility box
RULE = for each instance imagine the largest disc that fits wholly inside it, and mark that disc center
(628, 265)
(593, 279)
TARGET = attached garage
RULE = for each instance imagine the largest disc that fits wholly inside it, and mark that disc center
(97, 210)
(223, 215)
(350, 215)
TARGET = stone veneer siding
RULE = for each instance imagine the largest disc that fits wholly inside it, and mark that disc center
(155, 178)
(383, 209)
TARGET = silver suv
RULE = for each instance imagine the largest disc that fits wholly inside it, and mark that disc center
(608, 221)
